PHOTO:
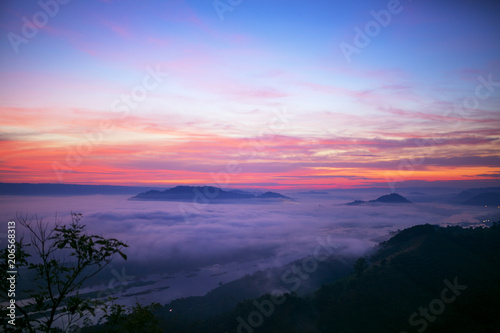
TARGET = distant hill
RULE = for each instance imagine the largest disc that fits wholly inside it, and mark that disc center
(461, 197)
(484, 199)
(356, 202)
(481, 190)
(313, 192)
(392, 198)
(468, 194)
(203, 193)
(241, 192)
(272, 195)
(67, 189)
(389, 198)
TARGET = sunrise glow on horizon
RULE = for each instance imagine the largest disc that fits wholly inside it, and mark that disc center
(256, 95)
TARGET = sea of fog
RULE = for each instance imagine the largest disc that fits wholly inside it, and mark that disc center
(170, 256)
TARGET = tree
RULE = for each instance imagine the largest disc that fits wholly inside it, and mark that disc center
(54, 295)
(140, 319)
(360, 265)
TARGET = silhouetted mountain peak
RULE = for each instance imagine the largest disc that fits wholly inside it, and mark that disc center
(207, 193)
(389, 198)
(392, 198)
(410, 233)
(484, 199)
(462, 196)
(273, 195)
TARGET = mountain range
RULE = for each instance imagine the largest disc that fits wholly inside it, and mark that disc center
(389, 198)
(204, 193)
(482, 199)
(67, 189)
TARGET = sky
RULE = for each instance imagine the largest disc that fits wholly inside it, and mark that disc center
(278, 94)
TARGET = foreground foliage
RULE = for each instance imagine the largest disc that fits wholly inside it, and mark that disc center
(61, 260)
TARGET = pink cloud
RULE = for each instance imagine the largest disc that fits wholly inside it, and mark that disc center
(152, 149)
(119, 29)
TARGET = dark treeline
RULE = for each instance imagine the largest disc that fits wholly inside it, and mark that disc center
(425, 278)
